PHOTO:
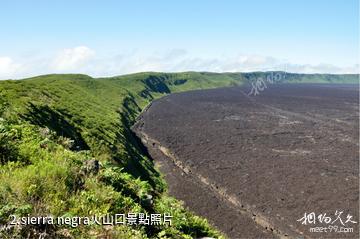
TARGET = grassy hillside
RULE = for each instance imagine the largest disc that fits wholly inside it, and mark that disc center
(66, 149)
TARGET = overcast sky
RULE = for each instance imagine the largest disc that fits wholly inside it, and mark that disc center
(106, 38)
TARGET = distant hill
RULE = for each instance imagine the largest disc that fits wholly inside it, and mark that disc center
(56, 129)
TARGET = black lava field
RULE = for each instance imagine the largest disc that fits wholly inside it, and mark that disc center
(255, 165)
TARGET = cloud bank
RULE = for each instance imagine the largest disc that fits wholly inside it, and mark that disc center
(73, 58)
(82, 59)
(8, 67)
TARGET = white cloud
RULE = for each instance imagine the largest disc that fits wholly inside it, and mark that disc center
(322, 68)
(8, 67)
(82, 59)
(73, 58)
